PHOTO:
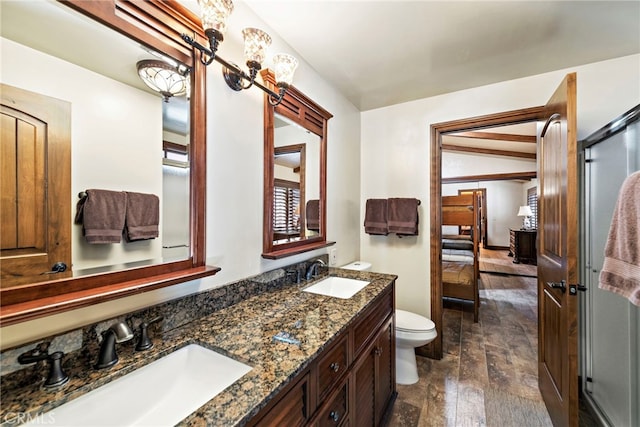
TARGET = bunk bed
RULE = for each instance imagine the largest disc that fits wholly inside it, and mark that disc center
(460, 268)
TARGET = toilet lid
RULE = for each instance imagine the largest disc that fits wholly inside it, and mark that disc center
(412, 322)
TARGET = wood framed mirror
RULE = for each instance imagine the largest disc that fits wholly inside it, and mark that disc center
(295, 174)
(154, 27)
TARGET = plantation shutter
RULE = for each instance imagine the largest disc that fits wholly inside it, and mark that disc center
(532, 201)
(286, 200)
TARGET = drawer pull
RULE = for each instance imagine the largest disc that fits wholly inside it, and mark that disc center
(334, 416)
(377, 351)
(335, 366)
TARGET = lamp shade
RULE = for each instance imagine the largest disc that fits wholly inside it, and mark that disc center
(525, 211)
(256, 43)
(214, 14)
(162, 77)
(284, 66)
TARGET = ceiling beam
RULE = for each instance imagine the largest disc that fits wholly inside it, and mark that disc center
(449, 147)
(497, 136)
(491, 177)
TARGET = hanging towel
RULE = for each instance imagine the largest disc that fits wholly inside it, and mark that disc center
(375, 217)
(621, 270)
(102, 215)
(402, 216)
(312, 215)
(143, 216)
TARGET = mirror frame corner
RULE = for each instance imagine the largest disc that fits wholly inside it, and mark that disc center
(139, 21)
(300, 109)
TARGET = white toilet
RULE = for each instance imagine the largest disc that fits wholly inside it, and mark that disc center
(412, 330)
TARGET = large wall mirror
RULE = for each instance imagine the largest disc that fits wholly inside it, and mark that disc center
(84, 60)
(295, 175)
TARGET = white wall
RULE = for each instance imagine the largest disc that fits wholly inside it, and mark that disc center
(234, 187)
(396, 152)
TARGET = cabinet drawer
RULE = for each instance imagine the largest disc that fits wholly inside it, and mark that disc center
(371, 320)
(336, 411)
(290, 410)
(332, 366)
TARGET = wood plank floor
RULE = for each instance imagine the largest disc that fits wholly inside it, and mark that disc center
(488, 375)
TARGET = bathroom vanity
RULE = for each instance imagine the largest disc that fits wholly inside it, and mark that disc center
(335, 367)
(352, 382)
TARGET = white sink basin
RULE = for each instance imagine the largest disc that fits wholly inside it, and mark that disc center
(338, 287)
(161, 393)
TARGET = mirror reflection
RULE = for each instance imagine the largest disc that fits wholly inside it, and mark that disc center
(296, 171)
(124, 135)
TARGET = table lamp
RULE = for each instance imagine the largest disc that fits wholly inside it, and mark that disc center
(525, 211)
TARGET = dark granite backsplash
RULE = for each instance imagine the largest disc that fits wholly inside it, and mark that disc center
(81, 345)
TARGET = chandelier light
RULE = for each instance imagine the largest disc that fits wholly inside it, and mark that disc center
(214, 14)
(163, 78)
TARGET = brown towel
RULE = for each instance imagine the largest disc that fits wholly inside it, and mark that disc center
(402, 216)
(143, 216)
(375, 217)
(101, 213)
(621, 270)
(312, 215)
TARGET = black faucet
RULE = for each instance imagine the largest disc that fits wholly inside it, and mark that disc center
(117, 333)
(56, 377)
(312, 270)
(144, 342)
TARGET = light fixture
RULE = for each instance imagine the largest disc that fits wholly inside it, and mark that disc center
(164, 78)
(525, 211)
(214, 14)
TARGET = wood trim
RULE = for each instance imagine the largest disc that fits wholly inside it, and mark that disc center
(158, 24)
(434, 349)
(55, 304)
(497, 136)
(294, 250)
(506, 153)
(491, 177)
(304, 111)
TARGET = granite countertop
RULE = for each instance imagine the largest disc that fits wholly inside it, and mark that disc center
(244, 332)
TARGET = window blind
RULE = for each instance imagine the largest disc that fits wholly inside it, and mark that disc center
(532, 201)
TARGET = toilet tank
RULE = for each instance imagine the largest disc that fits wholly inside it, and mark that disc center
(358, 265)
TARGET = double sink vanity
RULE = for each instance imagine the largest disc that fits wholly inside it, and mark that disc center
(320, 352)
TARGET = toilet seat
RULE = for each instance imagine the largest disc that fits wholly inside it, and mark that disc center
(412, 322)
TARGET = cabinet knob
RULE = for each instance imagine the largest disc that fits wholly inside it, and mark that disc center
(335, 366)
(334, 416)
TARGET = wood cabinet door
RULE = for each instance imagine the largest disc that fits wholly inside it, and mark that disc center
(384, 355)
(35, 183)
(363, 413)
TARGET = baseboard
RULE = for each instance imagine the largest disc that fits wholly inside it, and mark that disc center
(497, 248)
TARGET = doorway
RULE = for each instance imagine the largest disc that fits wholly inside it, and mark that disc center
(437, 132)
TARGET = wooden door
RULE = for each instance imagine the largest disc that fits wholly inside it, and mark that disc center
(35, 183)
(557, 256)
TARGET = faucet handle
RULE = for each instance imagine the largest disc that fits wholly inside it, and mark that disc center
(144, 342)
(56, 377)
(295, 273)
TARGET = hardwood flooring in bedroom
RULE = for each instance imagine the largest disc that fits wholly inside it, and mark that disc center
(488, 375)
